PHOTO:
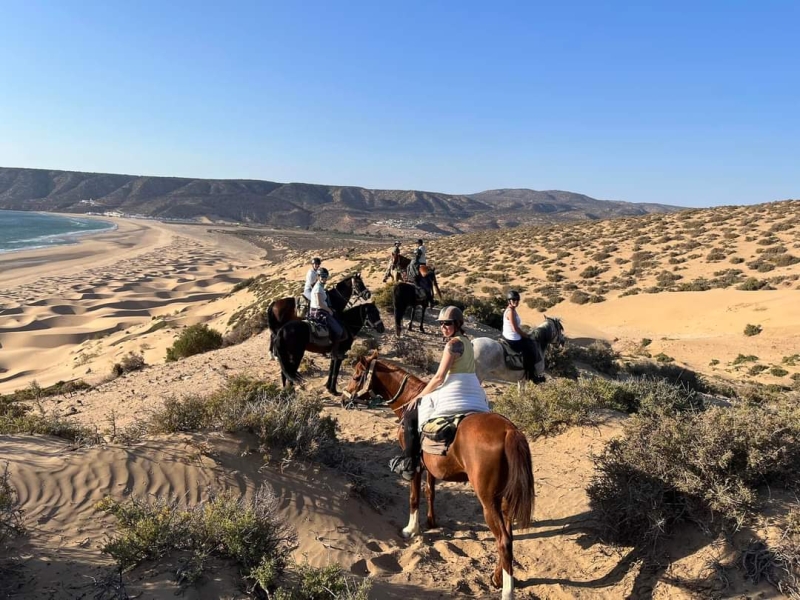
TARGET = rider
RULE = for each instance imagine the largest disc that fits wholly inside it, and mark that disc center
(517, 339)
(414, 270)
(393, 261)
(454, 389)
(311, 279)
(321, 310)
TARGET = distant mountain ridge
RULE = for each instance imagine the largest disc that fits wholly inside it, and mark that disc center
(304, 205)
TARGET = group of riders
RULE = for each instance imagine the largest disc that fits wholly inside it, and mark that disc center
(455, 382)
(415, 272)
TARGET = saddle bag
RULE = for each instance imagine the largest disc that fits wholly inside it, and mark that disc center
(439, 433)
(514, 360)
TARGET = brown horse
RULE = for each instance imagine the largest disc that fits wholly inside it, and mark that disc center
(488, 451)
(342, 294)
(397, 271)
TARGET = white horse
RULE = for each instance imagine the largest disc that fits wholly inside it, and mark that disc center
(490, 362)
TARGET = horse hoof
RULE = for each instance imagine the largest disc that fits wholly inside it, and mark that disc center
(407, 533)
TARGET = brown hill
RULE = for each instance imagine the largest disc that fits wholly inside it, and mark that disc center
(309, 206)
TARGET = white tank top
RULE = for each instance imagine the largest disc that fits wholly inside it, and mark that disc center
(508, 331)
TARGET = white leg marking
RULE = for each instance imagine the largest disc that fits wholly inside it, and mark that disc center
(412, 528)
(508, 586)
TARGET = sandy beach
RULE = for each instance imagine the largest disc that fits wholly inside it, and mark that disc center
(56, 302)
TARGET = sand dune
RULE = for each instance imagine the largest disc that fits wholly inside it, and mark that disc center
(106, 285)
(110, 301)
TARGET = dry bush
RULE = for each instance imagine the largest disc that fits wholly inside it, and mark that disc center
(413, 352)
(701, 467)
(10, 514)
(751, 330)
(129, 363)
(580, 297)
(672, 373)
(246, 328)
(286, 420)
(383, 297)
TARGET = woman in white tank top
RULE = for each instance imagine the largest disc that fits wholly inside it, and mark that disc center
(517, 339)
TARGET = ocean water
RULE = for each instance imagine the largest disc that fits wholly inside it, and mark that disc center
(29, 230)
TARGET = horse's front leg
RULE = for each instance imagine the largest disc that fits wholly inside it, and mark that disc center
(412, 528)
(272, 355)
(430, 496)
(413, 312)
(333, 376)
(422, 319)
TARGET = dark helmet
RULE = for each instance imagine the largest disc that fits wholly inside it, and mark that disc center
(451, 313)
(316, 260)
(322, 273)
(419, 241)
(513, 295)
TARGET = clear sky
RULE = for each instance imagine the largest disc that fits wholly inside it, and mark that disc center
(688, 103)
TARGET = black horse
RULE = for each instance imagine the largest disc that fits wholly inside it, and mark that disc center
(283, 310)
(294, 340)
(405, 295)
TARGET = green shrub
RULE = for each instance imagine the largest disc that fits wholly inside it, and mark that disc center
(550, 407)
(487, 311)
(679, 376)
(591, 271)
(778, 372)
(251, 532)
(751, 330)
(323, 583)
(194, 340)
(752, 284)
(743, 358)
(692, 466)
(663, 358)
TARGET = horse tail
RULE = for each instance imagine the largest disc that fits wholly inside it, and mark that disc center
(288, 368)
(519, 492)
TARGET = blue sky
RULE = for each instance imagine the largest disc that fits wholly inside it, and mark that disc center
(687, 103)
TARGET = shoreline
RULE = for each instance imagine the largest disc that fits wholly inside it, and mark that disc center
(69, 312)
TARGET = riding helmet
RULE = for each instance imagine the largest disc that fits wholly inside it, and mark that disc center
(419, 241)
(513, 295)
(322, 273)
(397, 243)
(316, 260)
(451, 313)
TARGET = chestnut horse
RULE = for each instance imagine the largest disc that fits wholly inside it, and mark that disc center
(397, 271)
(283, 310)
(488, 451)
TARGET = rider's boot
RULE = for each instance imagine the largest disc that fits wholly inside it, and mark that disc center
(407, 464)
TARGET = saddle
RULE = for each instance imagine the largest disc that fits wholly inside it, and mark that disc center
(421, 292)
(320, 334)
(439, 433)
(302, 306)
(514, 359)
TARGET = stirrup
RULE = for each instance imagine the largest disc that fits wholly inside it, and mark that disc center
(402, 465)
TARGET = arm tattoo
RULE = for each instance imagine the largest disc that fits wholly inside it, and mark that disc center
(455, 347)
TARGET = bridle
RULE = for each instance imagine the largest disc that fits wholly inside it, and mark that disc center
(364, 390)
(364, 294)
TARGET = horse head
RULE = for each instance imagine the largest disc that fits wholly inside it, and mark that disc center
(556, 330)
(360, 386)
(359, 288)
(373, 317)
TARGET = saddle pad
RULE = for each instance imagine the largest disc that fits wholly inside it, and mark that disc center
(439, 433)
(514, 359)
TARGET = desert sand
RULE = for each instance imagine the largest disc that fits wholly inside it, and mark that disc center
(75, 317)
